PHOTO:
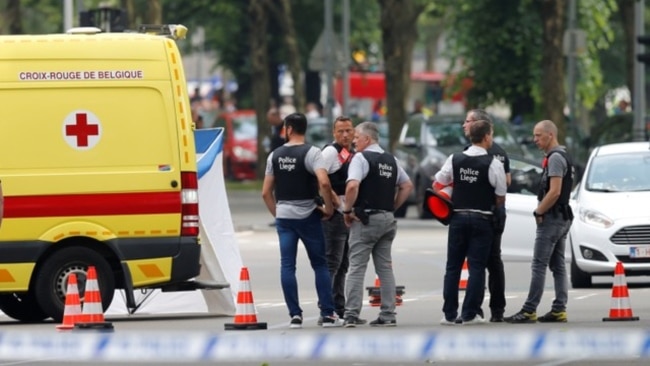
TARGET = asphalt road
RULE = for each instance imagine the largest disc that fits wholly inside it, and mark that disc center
(419, 256)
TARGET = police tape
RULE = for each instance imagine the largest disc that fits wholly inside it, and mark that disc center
(474, 345)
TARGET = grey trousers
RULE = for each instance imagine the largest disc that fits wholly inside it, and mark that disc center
(374, 239)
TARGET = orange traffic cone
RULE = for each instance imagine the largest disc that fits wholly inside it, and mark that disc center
(464, 276)
(92, 316)
(374, 294)
(245, 316)
(620, 308)
(72, 310)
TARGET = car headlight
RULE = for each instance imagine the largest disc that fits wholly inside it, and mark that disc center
(243, 154)
(595, 218)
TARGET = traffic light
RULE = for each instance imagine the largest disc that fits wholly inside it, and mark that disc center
(644, 57)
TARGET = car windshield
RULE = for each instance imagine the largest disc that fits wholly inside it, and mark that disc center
(627, 172)
(445, 134)
(245, 128)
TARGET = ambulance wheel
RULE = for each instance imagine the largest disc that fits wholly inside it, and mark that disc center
(52, 278)
(22, 307)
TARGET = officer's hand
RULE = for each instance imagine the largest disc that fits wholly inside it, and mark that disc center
(350, 218)
(325, 214)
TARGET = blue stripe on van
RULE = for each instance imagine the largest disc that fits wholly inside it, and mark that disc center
(209, 145)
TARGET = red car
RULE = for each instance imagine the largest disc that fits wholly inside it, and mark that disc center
(240, 144)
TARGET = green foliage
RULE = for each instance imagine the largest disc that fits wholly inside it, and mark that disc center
(499, 43)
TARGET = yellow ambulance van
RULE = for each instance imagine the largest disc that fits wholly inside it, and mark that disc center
(98, 167)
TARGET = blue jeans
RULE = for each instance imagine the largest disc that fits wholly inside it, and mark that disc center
(336, 248)
(550, 244)
(470, 236)
(310, 231)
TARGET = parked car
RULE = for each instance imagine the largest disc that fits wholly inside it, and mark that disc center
(240, 144)
(612, 221)
(425, 143)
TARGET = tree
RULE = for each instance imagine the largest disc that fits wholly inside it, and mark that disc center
(12, 17)
(553, 93)
(260, 73)
(282, 15)
(398, 23)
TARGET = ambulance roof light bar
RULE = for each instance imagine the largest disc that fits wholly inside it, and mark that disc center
(83, 30)
(175, 31)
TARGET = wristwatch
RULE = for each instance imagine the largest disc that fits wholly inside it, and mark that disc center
(536, 214)
(347, 212)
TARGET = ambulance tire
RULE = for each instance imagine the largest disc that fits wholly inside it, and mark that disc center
(50, 281)
(22, 307)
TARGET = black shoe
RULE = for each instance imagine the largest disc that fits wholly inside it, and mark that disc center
(497, 317)
(379, 322)
(351, 322)
(553, 317)
(522, 317)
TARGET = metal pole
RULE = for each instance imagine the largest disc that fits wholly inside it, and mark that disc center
(329, 67)
(572, 67)
(638, 104)
(346, 57)
(67, 15)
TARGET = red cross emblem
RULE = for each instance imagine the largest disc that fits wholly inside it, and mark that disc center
(81, 129)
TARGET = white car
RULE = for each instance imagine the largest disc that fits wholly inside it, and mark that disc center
(612, 214)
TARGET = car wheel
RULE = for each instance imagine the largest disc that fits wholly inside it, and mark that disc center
(22, 307)
(52, 278)
(401, 211)
(579, 278)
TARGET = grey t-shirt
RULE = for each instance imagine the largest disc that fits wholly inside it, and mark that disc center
(557, 164)
(297, 209)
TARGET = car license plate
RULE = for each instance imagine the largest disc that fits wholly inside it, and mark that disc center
(639, 252)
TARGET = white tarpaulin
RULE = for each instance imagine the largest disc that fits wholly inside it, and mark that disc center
(220, 257)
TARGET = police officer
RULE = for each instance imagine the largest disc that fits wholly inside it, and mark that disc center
(376, 185)
(479, 185)
(295, 173)
(337, 157)
(553, 217)
(496, 272)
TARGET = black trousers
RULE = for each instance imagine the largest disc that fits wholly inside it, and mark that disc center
(496, 278)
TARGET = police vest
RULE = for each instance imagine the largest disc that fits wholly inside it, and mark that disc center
(472, 188)
(339, 177)
(292, 179)
(567, 180)
(377, 189)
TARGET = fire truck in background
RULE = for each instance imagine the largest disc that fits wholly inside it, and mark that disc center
(433, 89)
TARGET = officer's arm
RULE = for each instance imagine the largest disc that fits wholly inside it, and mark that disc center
(551, 196)
(403, 191)
(267, 193)
(351, 193)
(325, 189)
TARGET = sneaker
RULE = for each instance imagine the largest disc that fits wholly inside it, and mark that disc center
(496, 318)
(350, 322)
(332, 321)
(379, 322)
(553, 317)
(476, 320)
(296, 322)
(521, 317)
(445, 321)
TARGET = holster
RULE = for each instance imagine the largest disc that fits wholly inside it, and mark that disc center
(361, 213)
